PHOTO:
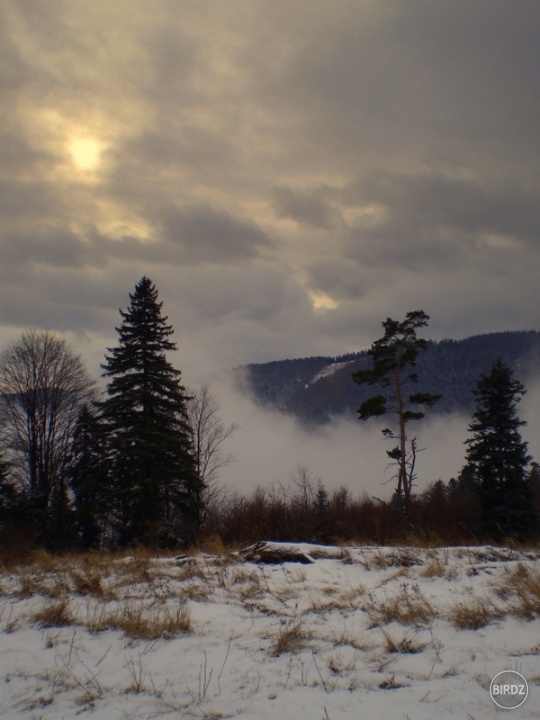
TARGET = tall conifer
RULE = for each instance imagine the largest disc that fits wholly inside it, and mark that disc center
(155, 482)
(497, 456)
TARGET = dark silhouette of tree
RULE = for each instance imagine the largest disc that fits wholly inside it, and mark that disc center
(533, 480)
(89, 478)
(42, 384)
(497, 457)
(393, 356)
(153, 471)
(7, 492)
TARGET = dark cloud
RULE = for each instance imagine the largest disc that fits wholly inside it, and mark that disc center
(340, 279)
(206, 234)
(431, 219)
(305, 206)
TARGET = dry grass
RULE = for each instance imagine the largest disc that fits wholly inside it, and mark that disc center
(43, 561)
(521, 589)
(435, 568)
(473, 614)
(339, 665)
(54, 614)
(134, 571)
(410, 607)
(249, 584)
(390, 684)
(241, 575)
(213, 545)
(290, 638)
(190, 569)
(196, 591)
(403, 572)
(141, 623)
(406, 645)
(48, 585)
(347, 637)
(88, 582)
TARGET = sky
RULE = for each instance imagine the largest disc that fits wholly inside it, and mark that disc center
(288, 173)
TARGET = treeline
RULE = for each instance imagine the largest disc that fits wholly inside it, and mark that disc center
(448, 513)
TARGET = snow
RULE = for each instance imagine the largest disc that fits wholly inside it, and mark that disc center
(306, 642)
(329, 370)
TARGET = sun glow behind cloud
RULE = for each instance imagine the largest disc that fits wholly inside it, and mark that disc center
(322, 301)
(86, 153)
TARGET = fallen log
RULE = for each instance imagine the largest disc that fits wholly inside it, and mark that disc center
(274, 554)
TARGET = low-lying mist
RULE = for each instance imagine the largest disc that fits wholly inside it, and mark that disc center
(270, 448)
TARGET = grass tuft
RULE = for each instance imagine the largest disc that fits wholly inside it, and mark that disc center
(139, 623)
(435, 568)
(405, 646)
(290, 638)
(410, 607)
(473, 614)
(54, 614)
(88, 583)
(521, 589)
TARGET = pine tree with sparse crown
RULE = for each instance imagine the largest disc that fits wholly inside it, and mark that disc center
(155, 482)
(393, 358)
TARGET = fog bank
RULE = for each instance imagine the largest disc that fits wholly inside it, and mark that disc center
(270, 447)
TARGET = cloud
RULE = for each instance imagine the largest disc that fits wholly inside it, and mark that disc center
(305, 206)
(206, 234)
(340, 279)
(432, 219)
(288, 179)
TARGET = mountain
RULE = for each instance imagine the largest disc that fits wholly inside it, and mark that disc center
(316, 389)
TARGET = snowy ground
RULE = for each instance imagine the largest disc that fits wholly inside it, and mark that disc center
(389, 633)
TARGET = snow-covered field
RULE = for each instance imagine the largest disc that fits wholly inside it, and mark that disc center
(362, 632)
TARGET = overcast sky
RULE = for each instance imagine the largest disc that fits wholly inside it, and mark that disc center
(288, 172)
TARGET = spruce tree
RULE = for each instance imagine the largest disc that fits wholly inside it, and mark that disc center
(497, 457)
(89, 478)
(153, 471)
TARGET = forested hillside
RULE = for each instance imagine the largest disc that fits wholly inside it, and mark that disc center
(318, 388)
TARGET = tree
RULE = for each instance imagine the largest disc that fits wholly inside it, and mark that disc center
(153, 469)
(209, 434)
(7, 492)
(393, 356)
(497, 456)
(89, 478)
(42, 386)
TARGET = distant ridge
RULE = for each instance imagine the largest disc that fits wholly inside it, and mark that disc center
(315, 389)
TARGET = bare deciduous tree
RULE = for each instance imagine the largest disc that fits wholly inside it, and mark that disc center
(42, 386)
(209, 435)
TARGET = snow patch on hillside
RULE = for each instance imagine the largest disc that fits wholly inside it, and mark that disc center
(329, 370)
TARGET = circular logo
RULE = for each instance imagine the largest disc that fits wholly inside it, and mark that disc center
(509, 689)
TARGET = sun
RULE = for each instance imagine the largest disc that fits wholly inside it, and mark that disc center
(85, 153)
